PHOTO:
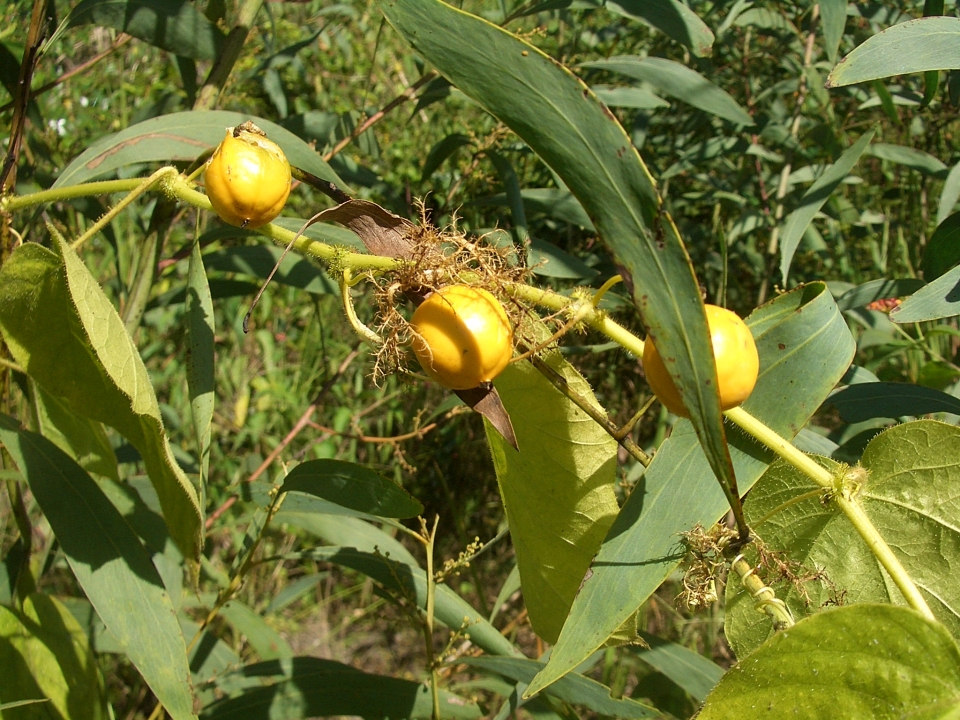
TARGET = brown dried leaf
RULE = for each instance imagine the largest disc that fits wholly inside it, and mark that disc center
(486, 401)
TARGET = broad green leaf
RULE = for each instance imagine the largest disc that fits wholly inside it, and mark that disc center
(183, 136)
(940, 299)
(303, 687)
(200, 357)
(352, 486)
(865, 401)
(258, 260)
(930, 43)
(911, 492)
(909, 157)
(877, 290)
(949, 195)
(60, 326)
(410, 582)
(805, 347)
(863, 661)
(266, 641)
(574, 134)
(690, 670)
(833, 14)
(178, 27)
(557, 490)
(671, 17)
(943, 249)
(574, 688)
(110, 564)
(814, 198)
(677, 81)
(81, 438)
(44, 653)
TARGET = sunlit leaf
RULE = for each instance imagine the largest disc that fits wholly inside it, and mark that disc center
(864, 661)
(911, 493)
(557, 490)
(60, 326)
(45, 656)
(930, 43)
(110, 564)
(940, 299)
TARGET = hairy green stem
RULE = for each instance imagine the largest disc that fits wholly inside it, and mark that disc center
(842, 496)
(12, 203)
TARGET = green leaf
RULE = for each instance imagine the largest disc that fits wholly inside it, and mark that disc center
(556, 203)
(303, 687)
(266, 641)
(178, 27)
(814, 198)
(949, 195)
(943, 249)
(804, 348)
(110, 564)
(352, 486)
(574, 688)
(672, 18)
(410, 582)
(547, 260)
(557, 490)
(258, 260)
(909, 157)
(866, 401)
(863, 661)
(875, 290)
(183, 136)
(688, 669)
(574, 134)
(81, 438)
(911, 493)
(677, 81)
(44, 654)
(348, 532)
(930, 43)
(200, 357)
(833, 14)
(60, 326)
(940, 299)
(628, 97)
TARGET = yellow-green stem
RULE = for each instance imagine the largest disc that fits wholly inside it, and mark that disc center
(850, 507)
(12, 203)
(162, 173)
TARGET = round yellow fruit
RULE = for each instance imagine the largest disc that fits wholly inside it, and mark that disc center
(735, 352)
(248, 177)
(462, 336)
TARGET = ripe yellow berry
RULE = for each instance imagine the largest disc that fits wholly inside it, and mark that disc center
(462, 336)
(248, 177)
(734, 351)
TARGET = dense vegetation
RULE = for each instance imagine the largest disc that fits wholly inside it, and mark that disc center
(241, 507)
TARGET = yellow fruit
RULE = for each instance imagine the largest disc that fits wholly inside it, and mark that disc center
(248, 177)
(736, 356)
(463, 336)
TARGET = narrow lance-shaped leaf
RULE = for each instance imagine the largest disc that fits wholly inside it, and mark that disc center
(671, 17)
(678, 81)
(60, 326)
(183, 136)
(562, 121)
(110, 564)
(940, 299)
(200, 357)
(812, 200)
(930, 43)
